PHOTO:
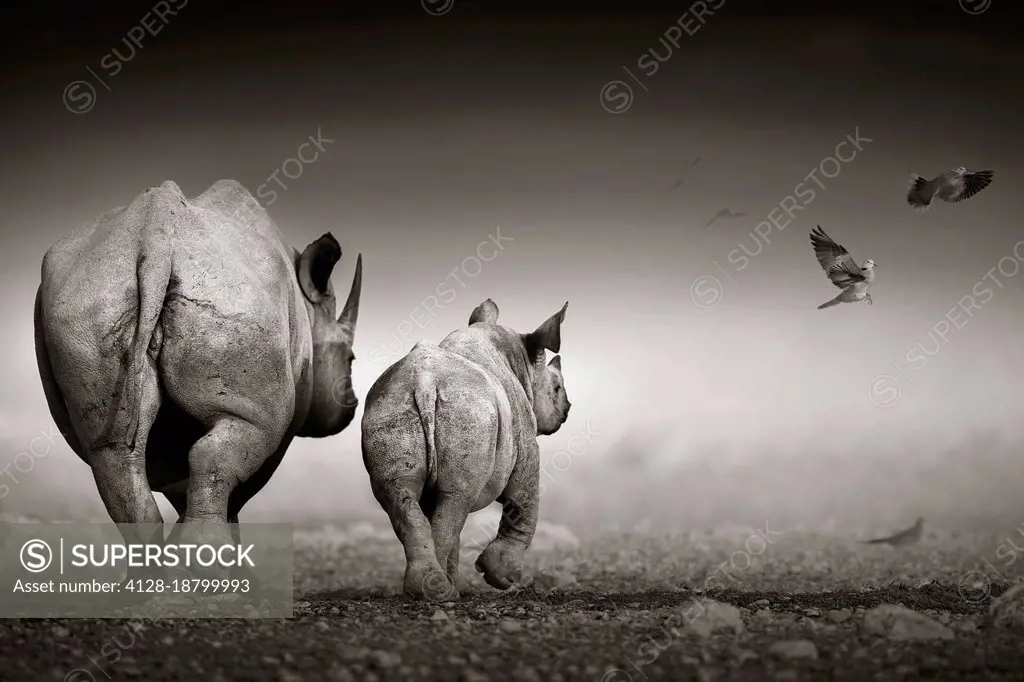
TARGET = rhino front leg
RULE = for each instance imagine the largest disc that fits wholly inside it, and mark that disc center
(447, 522)
(501, 562)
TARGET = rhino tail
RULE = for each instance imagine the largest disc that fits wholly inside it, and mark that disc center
(153, 276)
(426, 399)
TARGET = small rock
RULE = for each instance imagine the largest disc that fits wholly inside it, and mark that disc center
(707, 674)
(385, 659)
(812, 612)
(966, 626)
(322, 625)
(705, 617)
(510, 626)
(439, 615)
(472, 675)
(338, 673)
(526, 674)
(902, 624)
(794, 649)
(1007, 610)
(760, 603)
(60, 631)
(839, 615)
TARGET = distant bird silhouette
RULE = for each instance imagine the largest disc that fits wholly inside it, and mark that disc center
(842, 270)
(724, 213)
(904, 537)
(952, 186)
(679, 182)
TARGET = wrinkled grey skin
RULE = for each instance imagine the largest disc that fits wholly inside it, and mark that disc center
(452, 427)
(181, 349)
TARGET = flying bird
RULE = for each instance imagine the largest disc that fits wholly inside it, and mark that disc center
(904, 537)
(842, 270)
(724, 213)
(952, 186)
(679, 182)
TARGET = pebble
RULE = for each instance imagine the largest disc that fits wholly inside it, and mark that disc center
(902, 624)
(839, 615)
(794, 649)
(385, 659)
(472, 675)
(510, 626)
(705, 617)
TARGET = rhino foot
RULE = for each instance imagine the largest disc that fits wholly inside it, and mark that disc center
(501, 562)
(429, 583)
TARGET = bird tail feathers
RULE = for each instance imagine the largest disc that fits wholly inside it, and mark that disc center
(829, 304)
(917, 194)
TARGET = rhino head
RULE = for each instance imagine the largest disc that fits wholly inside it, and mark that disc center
(550, 401)
(333, 402)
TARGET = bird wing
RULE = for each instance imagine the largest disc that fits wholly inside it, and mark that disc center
(972, 183)
(835, 260)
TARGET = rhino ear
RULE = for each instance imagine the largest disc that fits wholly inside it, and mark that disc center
(556, 362)
(485, 312)
(315, 266)
(548, 335)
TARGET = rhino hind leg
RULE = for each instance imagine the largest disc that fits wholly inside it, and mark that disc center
(424, 577)
(228, 454)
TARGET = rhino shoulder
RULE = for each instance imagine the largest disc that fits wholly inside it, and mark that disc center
(228, 198)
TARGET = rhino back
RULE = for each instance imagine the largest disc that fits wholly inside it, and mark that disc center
(223, 265)
(499, 352)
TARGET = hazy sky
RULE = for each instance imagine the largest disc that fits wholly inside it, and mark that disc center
(446, 133)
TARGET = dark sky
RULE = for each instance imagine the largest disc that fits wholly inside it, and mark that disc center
(447, 129)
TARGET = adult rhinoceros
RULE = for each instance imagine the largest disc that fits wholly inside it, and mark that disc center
(182, 345)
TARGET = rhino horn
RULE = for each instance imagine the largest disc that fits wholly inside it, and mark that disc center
(350, 312)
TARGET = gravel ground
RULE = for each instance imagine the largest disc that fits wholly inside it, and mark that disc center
(729, 605)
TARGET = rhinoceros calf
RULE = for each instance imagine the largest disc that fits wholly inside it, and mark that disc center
(452, 427)
(182, 345)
